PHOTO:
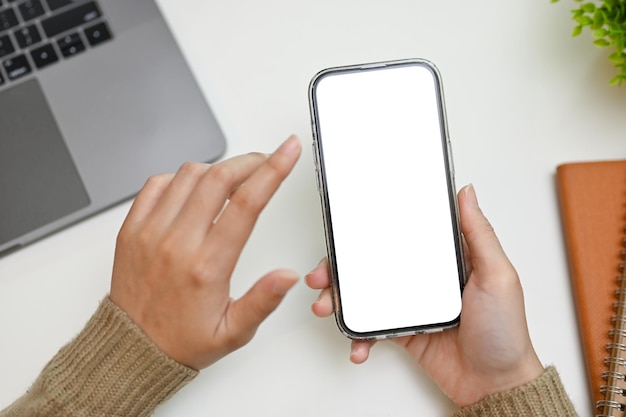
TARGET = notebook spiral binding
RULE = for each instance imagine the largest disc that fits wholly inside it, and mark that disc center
(614, 390)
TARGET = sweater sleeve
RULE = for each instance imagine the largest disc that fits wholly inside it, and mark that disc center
(543, 397)
(110, 369)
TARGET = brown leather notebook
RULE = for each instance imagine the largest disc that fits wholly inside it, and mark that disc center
(592, 198)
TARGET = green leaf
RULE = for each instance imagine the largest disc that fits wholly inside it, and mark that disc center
(588, 7)
(602, 13)
(618, 79)
(577, 30)
(601, 43)
(583, 20)
(600, 33)
(598, 19)
(617, 58)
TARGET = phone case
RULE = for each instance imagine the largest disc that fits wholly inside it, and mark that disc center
(328, 227)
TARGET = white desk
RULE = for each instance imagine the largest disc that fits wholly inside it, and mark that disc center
(522, 97)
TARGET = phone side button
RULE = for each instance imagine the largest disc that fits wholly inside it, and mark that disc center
(317, 168)
(450, 157)
(317, 178)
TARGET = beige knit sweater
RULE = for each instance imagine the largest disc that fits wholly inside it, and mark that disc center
(112, 369)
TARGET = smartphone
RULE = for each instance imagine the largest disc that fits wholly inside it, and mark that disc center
(386, 180)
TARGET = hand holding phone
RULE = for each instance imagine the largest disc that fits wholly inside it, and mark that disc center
(491, 350)
(386, 183)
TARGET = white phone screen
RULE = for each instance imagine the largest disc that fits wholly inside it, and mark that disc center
(384, 165)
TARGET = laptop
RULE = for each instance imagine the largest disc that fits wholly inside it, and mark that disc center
(95, 97)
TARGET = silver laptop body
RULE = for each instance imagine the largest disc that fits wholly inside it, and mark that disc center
(84, 132)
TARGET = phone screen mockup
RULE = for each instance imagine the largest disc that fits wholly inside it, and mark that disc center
(387, 187)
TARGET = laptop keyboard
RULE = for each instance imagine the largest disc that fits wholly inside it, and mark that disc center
(38, 33)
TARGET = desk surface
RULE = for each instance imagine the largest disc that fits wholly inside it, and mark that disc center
(522, 97)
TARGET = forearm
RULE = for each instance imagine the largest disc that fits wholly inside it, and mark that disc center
(110, 368)
(543, 397)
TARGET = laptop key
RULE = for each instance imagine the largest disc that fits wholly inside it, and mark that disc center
(16, 67)
(44, 55)
(6, 46)
(97, 33)
(27, 36)
(57, 4)
(31, 9)
(70, 19)
(71, 45)
(8, 19)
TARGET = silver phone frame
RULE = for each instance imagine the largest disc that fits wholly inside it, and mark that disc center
(320, 177)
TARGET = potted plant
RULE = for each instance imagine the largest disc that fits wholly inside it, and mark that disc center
(606, 19)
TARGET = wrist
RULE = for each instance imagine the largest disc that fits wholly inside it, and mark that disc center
(542, 395)
(488, 381)
(110, 368)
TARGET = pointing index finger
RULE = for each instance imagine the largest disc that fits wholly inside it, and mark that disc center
(245, 204)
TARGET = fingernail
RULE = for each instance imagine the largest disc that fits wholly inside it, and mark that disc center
(320, 263)
(470, 194)
(355, 356)
(307, 278)
(291, 146)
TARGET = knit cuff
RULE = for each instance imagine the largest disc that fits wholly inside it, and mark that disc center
(544, 396)
(110, 369)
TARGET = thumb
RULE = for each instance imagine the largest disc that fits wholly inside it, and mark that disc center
(486, 255)
(249, 311)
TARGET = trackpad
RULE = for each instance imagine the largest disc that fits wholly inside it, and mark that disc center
(39, 182)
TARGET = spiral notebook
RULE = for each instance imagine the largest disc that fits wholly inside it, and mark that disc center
(592, 198)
